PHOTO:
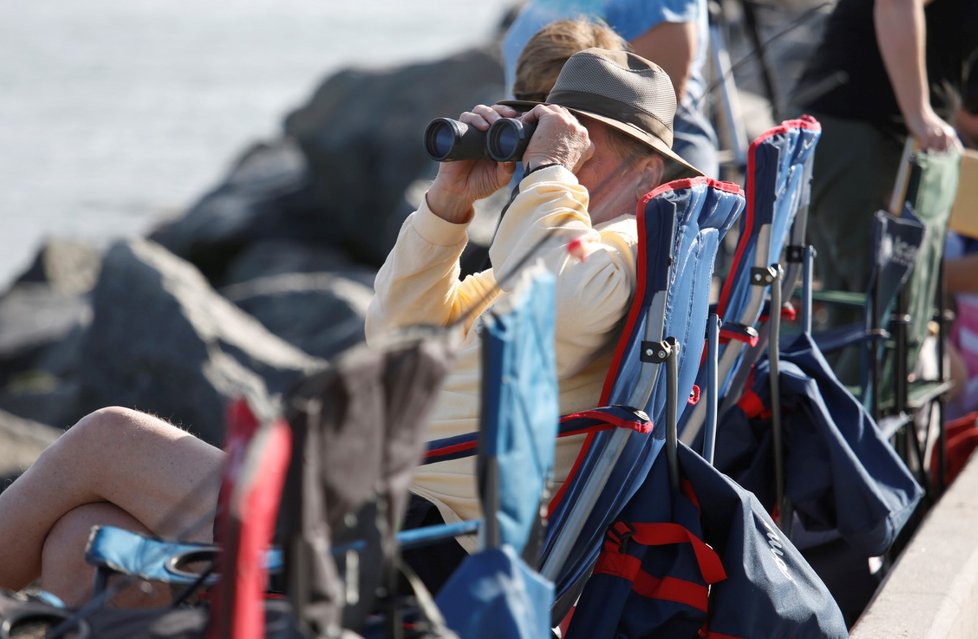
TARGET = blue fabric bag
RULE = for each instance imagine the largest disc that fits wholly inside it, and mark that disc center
(840, 473)
(495, 595)
(706, 562)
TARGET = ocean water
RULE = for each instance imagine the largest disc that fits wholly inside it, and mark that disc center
(115, 114)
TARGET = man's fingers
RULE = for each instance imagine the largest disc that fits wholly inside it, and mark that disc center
(505, 111)
(481, 116)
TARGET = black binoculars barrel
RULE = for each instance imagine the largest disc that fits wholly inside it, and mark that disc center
(505, 141)
(446, 139)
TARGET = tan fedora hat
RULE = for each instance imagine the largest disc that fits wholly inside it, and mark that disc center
(624, 91)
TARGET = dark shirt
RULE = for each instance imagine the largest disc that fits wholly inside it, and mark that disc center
(846, 77)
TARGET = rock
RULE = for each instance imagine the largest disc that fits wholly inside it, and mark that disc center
(34, 316)
(319, 313)
(337, 179)
(361, 135)
(281, 257)
(66, 265)
(41, 397)
(265, 195)
(164, 341)
(21, 441)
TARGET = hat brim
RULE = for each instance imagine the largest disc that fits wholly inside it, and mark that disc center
(676, 167)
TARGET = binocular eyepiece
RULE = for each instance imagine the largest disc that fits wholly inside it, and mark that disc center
(446, 140)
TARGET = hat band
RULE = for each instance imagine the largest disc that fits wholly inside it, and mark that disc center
(610, 108)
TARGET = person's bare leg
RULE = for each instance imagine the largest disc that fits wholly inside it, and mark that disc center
(65, 573)
(163, 477)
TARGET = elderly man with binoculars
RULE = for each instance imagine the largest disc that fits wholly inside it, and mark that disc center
(599, 143)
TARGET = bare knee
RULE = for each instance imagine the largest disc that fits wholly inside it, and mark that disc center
(109, 430)
(107, 423)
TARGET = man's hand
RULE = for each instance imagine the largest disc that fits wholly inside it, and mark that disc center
(559, 138)
(931, 132)
(460, 183)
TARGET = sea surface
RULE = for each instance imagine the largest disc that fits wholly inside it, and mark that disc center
(115, 114)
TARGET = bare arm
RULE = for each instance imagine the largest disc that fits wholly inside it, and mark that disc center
(900, 32)
(671, 45)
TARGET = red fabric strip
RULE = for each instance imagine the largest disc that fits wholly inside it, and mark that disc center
(661, 534)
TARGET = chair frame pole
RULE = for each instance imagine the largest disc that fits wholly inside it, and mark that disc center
(777, 436)
(672, 410)
(712, 386)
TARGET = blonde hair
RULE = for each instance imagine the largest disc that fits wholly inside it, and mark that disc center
(546, 52)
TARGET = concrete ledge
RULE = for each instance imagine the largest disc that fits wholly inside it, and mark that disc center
(932, 590)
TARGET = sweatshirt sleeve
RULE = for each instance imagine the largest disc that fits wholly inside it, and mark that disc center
(418, 283)
(595, 286)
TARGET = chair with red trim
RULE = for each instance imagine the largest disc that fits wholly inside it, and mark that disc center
(680, 227)
(695, 555)
(779, 166)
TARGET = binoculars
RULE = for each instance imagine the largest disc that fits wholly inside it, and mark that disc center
(505, 141)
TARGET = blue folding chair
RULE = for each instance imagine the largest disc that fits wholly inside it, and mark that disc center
(779, 166)
(680, 227)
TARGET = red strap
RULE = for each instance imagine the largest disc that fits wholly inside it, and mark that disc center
(686, 487)
(727, 335)
(647, 585)
(788, 312)
(750, 402)
(661, 534)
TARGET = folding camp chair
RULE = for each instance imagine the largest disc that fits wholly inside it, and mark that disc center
(118, 552)
(779, 166)
(904, 299)
(362, 419)
(695, 555)
(258, 451)
(680, 226)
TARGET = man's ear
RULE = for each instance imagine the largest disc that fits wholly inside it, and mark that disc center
(651, 171)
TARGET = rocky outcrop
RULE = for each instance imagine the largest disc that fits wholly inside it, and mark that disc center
(361, 135)
(338, 177)
(259, 282)
(319, 313)
(164, 341)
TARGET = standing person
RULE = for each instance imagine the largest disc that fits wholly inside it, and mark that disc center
(589, 162)
(885, 70)
(672, 33)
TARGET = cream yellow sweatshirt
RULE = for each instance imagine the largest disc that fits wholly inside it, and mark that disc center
(419, 284)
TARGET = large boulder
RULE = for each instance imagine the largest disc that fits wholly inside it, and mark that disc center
(361, 133)
(337, 178)
(281, 257)
(265, 195)
(164, 341)
(33, 318)
(319, 313)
